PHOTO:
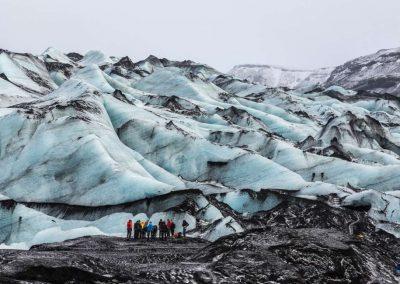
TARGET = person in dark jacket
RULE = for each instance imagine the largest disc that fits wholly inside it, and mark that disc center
(136, 232)
(163, 229)
(129, 230)
(159, 228)
(184, 227)
(154, 232)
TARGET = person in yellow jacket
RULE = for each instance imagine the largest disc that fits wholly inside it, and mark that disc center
(142, 229)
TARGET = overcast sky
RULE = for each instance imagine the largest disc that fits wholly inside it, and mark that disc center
(222, 33)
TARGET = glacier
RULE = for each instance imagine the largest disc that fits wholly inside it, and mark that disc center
(89, 141)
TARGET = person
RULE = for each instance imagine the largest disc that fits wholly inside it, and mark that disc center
(163, 229)
(184, 227)
(149, 229)
(146, 223)
(172, 228)
(160, 228)
(169, 227)
(142, 229)
(129, 230)
(136, 232)
(154, 232)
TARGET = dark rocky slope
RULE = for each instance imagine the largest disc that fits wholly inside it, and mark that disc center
(296, 242)
(378, 72)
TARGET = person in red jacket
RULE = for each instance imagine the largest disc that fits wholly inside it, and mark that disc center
(129, 230)
(172, 228)
(169, 224)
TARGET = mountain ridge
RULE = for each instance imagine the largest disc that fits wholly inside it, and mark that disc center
(375, 72)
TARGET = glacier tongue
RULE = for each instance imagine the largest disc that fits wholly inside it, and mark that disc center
(87, 142)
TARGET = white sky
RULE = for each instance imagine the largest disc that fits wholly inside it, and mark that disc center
(221, 33)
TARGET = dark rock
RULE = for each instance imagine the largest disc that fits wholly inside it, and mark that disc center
(65, 68)
(37, 79)
(120, 96)
(125, 62)
(74, 56)
(299, 241)
(101, 260)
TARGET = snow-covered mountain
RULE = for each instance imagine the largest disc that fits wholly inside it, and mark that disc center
(88, 141)
(275, 76)
(378, 72)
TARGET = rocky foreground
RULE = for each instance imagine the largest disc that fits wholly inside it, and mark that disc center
(294, 243)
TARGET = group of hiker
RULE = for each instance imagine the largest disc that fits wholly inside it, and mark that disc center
(147, 230)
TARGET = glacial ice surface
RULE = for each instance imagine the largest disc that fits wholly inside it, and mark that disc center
(103, 134)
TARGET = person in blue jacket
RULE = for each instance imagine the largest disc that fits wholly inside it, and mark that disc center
(149, 229)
